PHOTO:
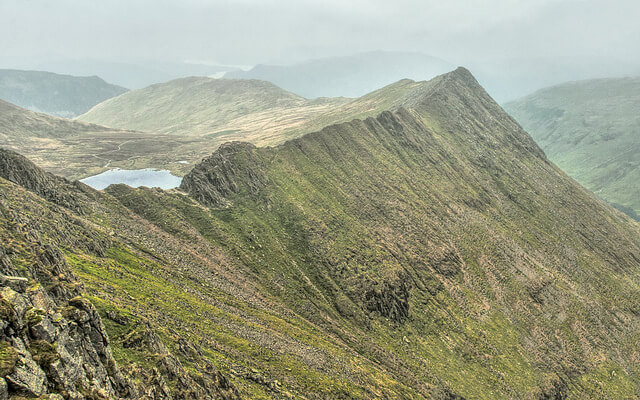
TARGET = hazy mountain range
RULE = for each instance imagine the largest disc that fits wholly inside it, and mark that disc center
(505, 79)
(348, 76)
(59, 95)
(132, 75)
(508, 79)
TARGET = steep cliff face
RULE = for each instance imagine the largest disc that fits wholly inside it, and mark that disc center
(235, 168)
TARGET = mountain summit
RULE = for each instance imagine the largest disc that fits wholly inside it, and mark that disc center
(428, 251)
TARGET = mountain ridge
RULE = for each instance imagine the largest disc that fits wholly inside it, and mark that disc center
(243, 188)
(200, 125)
(458, 84)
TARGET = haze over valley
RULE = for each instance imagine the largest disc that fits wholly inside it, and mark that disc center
(319, 200)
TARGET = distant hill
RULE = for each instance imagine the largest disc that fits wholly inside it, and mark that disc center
(202, 113)
(60, 95)
(132, 75)
(590, 129)
(195, 105)
(511, 78)
(349, 76)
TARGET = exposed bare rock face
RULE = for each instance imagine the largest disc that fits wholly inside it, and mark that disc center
(234, 168)
(52, 339)
(19, 170)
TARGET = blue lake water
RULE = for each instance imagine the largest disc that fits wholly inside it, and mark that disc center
(135, 178)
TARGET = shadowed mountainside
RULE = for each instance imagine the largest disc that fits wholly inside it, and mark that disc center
(590, 129)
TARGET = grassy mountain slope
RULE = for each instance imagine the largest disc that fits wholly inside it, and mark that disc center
(431, 251)
(191, 105)
(349, 76)
(590, 129)
(54, 94)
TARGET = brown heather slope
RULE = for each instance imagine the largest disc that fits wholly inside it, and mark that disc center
(429, 252)
(75, 149)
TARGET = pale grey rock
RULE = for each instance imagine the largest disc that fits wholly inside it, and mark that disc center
(27, 378)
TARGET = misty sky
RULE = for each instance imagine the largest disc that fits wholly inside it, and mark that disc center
(246, 32)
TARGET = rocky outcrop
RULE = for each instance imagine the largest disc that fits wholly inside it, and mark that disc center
(19, 170)
(208, 384)
(50, 345)
(389, 299)
(232, 169)
(52, 339)
(54, 345)
(386, 297)
(442, 393)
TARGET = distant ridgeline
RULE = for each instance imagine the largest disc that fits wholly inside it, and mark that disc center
(59, 95)
(348, 76)
(429, 251)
